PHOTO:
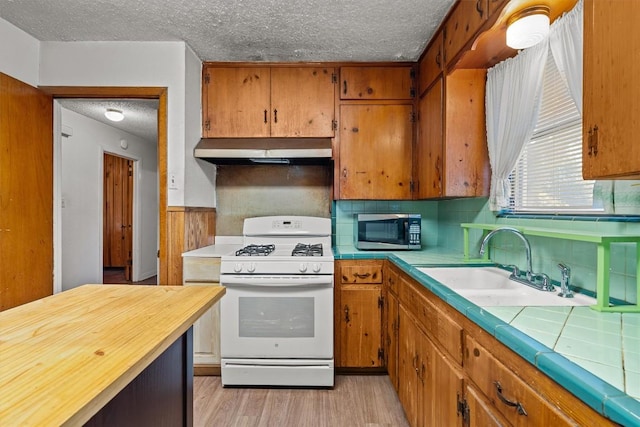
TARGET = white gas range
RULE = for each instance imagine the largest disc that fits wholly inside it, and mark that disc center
(277, 314)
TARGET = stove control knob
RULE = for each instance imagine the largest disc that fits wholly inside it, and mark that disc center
(316, 268)
(237, 268)
(251, 268)
(303, 267)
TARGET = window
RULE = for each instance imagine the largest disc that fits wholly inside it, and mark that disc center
(548, 175)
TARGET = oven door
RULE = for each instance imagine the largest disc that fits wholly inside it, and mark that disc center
(285, 317)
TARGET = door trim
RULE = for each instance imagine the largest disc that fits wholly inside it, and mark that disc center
(159, 93)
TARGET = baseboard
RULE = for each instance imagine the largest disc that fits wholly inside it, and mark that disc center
(206, 370)
(361, 371)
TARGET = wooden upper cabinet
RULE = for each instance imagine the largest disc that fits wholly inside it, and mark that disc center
(268, 102)
(429, 154)
(463, 24)
(376, 83)
(375, 151)
(611, 103)
(236, 102)
(431, 64)
(302, 102)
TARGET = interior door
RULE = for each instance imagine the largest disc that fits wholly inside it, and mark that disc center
(26, 193)
(117, 208)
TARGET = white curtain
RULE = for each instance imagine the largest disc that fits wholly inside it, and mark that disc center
(565, 38)
(513, 94)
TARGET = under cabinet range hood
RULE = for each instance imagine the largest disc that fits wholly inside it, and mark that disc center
(264, 150)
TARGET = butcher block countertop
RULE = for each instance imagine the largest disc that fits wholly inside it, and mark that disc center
(62, 358)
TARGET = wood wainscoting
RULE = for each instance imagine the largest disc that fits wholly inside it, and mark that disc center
(188, 228)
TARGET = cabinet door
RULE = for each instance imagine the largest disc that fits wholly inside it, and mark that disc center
(236, 102)
(302, 102)
(480, 412)
(408, 359)
(376, 83)
(462, 25)
(466, 157)
(431, 64)
(448, 388)
(611, 105)
(361, 326)
(429, 146)
(391, 337)
(375, 152)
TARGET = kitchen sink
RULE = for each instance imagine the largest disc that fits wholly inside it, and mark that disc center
(491, 286)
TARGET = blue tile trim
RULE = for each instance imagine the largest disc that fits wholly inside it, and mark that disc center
(520, 342)
(624, 408)
(582, 383)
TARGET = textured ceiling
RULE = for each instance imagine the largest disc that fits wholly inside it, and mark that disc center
(140, 115)
(233, 30)
(243, 30)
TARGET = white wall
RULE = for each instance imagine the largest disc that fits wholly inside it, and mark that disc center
(82, 194)
(19, 53)
(163, 64)
(200, 175)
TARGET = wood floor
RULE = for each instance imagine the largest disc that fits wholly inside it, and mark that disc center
(116, 275)
(356, 400)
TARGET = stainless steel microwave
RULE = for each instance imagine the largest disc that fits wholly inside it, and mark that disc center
(387, 231)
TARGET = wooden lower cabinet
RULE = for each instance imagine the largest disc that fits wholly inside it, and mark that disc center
(358, 315)
(205, 271)
(480, 412)
(391, 331)
(448, 368)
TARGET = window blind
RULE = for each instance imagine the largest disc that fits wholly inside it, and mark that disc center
(548, 175)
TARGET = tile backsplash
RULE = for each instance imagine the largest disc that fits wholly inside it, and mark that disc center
(441, 227)
(343, 218)
(546, 252)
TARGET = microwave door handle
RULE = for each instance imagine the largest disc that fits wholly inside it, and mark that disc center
(406, 230)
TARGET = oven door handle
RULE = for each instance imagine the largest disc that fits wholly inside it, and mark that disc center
(280, 281)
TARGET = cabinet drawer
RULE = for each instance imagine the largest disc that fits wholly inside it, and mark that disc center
(199, 269)
(508, 393)
(434, 321)
(361, 273)
(376, 83)
(462, 25)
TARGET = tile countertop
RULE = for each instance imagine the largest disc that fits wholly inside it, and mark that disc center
(594, 355)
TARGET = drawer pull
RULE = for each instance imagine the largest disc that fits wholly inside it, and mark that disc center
(517, 405)
(362, 275)
(347, 319)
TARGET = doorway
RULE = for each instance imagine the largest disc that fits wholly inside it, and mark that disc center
(133, 93)
(117, 213)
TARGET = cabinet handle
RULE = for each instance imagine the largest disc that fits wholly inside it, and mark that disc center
(344, 86)
(265, 116)
(517, 405)
(344, 173)
(347, 319)
(414, 363)
(438, 59)
(362, 275)
(479, 7)
(275, 116)
(590, 142)
(595, 140)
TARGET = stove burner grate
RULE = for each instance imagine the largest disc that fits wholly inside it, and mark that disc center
(256, 250)
(302, 249)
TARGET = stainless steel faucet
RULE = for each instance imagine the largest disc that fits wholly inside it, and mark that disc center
(565, 290)
(538, 281)
(527, 246)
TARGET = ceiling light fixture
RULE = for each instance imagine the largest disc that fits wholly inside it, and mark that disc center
(528, 27)
(114, 115)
